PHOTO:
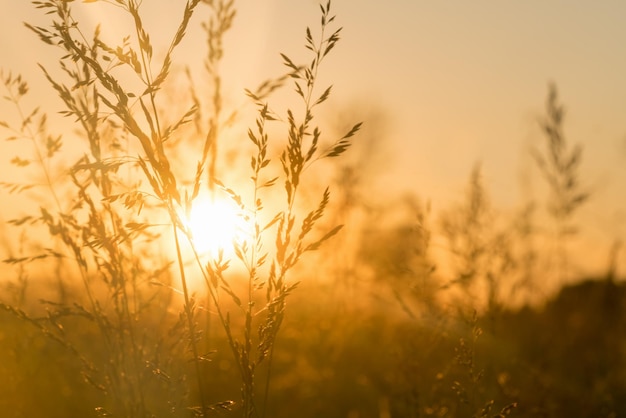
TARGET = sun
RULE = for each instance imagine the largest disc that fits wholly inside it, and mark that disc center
(214, 224)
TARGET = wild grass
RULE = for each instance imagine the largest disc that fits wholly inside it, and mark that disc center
(137, 321)
(105, 207)
(560, 166)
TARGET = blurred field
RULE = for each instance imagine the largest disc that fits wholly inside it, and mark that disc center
(338, 359)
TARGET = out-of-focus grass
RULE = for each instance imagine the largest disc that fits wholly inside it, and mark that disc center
(566, 359)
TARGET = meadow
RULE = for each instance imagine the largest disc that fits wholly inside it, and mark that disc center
(176, 256)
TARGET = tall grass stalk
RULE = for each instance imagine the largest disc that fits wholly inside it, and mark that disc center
(559, 164)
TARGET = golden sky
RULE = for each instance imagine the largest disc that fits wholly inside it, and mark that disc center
(457, 82)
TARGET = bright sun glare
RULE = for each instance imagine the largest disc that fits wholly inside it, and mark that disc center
(214, 225)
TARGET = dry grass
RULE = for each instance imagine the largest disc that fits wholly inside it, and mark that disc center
(124, 325)
(124, 197)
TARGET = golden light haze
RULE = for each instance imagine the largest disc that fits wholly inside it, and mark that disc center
(457, 82)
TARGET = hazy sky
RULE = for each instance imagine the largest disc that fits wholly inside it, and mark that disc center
(457, 81)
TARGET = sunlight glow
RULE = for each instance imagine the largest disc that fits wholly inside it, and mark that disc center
(214, 225)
